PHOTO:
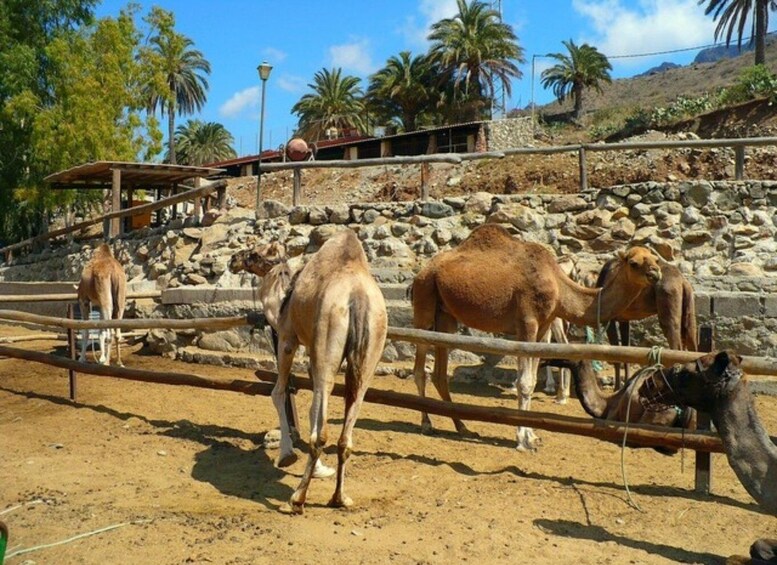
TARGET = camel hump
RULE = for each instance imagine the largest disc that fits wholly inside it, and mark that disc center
(103, 250)
(342, 249)
(488, 235)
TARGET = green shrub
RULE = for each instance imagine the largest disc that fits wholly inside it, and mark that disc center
(753, 82)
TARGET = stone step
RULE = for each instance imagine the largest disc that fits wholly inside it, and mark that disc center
(394, 291)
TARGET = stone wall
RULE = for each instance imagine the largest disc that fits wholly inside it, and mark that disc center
(720, 234)
(510, 133)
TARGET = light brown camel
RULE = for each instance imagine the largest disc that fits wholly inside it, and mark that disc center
(671, 299)
(103, 283)
(714, 383)
(333, 307)
(496, 283)
(624, 403)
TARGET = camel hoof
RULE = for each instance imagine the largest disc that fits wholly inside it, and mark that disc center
(342, 501)
(560, 401)
(322, 471)
(463, 431)
(286, 460)
(427, 429)
(290, 508)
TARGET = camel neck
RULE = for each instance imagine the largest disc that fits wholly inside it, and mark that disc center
(750, 450)
(275, 285)
(583, 306)
(588, 391)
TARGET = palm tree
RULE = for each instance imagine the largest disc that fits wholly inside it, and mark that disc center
(732, 15)
(200, 143)
(176, 83)
(336, 102)
(583, 67)
(477, 50)
(402, 89)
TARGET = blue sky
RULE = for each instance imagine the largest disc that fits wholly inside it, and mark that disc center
(301, 37)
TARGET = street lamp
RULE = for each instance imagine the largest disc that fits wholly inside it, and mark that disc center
(264, 73)
(533, 58)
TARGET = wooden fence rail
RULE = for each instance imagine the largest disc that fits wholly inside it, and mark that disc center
(638, 434)
(192, 194)
(66, 297)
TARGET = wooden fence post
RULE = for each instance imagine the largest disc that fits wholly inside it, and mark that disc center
(583, 170)
(71, 345)
(739, 166)
(297, 193)
(704, 460)
(424, 181)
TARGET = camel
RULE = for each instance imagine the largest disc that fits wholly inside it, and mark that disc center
(496, 283)
(714, 383)
(671, 299)
(625, 403)
(333, 307)
(103, 283)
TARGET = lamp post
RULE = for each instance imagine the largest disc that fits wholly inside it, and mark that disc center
(264, 73)
(533, 121)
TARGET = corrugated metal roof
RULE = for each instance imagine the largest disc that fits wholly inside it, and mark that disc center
(99, 174)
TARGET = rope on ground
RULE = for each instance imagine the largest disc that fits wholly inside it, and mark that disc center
(654, 364)
(74, 538)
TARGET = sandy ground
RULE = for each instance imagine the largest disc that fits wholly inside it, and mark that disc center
(187, 468)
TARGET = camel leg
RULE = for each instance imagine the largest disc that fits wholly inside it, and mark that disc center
(527, 380)
(285, 359)
(85, 308)
(106, 336)
(560, 335)
(625, 341)
(550, 381)
(117, 336)
(613, 338)
(670, 314)
(322, 372)
(419, 373)
(445, 323)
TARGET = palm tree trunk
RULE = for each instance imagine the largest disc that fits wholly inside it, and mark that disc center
(577, 95)
(761, 21)
(171, 134)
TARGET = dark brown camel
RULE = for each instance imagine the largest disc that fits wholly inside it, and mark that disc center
(715, 384)
(625, 401)
(499, 284)
(671, 298)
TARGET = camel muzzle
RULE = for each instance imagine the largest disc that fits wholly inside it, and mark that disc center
(654, 275)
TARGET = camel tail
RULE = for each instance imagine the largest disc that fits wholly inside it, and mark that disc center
(356, 344)
(688, 331)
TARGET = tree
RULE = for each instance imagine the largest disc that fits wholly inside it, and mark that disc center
(403, 89)
(69, 93)
(582, 67)
(200, 143)
(732, 15)
(336, 101)
(477, 51)
(175, 81)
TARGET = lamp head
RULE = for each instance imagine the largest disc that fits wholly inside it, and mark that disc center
(264, 70)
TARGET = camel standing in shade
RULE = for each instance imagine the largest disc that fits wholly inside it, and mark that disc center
(103, 283)
(715, 384)
(333, 307)
(671, 299)
(496, 283)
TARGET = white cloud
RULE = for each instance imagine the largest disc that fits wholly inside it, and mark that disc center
(416, 27)
(649, 27)
(353, 56)
(291, 83)
(273, 55)
(240, 101)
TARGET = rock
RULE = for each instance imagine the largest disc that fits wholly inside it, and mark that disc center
(479, 203)
(522, 217)
(567, 203)
(299, 215)
(370, 216)
(318, 216)
(623, 229)
(339, 214)
(442, 236)
(744, 270)
(436, 210)
(696, 236)
(584, 232)
(156, 269)
(322, 233)
(195, 279)
(193, 233)
(698, 194)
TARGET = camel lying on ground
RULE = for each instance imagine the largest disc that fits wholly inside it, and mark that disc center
(625, 401)
(103, 283)
(333, 307)
(714, 383)
(671, 299)
(496, 283)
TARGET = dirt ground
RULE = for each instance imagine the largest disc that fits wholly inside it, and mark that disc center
(186, 468)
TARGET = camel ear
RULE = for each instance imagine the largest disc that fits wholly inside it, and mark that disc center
(622, 254)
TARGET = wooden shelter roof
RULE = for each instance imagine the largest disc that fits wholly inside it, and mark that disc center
(133, 175)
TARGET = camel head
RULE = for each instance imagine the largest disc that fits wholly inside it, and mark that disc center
(259, 259)
(640, 266)
(701, 384)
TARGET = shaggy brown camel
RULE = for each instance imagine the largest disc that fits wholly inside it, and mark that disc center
(496, 283)
(103, 283)
(333, 307)
(624, 403)
(714, 383)
(671, 298)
